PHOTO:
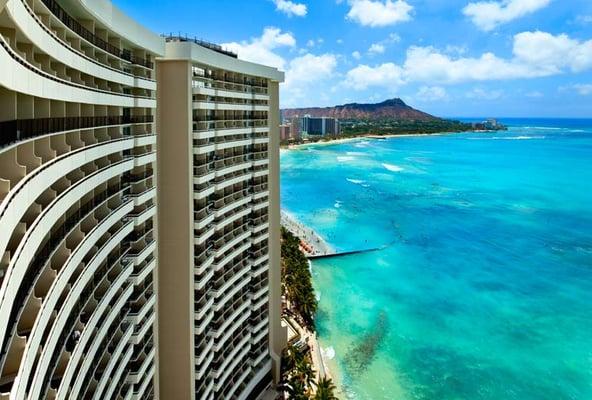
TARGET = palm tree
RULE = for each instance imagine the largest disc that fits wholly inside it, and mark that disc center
(296, 390)
(304, 372)
(308, 307)
(297, 280)
(325, 390)
(292, 357)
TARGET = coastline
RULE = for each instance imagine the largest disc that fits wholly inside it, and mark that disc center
(323, 366)
(312, 243)
(361, 137)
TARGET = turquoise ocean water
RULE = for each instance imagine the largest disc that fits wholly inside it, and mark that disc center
(485, 288)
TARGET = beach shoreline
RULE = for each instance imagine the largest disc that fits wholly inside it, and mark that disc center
(361, 137)
(312, 243)
(319, 246)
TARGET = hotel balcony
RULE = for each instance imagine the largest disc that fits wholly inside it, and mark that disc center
(20, 130)
(95, 40)
(227, 105)
(221, 123)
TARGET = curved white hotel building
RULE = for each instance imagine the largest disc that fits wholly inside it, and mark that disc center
(77, 202)
(92, 305)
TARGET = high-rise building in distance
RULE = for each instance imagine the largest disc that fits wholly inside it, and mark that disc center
(285, 132)
(318, 126)
(295, 128)
(94, 301)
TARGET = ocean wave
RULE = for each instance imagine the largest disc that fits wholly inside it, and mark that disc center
(585, 250)
(523, 137)
(463, 203)
(392, 168)
(355, 153)
(355, 181)
(543, 128)
(328, 353)
(420, 160)
(507, 138)
(345, 158)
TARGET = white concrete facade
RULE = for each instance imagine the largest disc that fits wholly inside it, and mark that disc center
(77, 202)
(216, 116)
(94, 110)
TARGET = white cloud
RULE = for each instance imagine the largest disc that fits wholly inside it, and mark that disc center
(460, 50)
(356, 55)
(379, 13)
(259, 50)
(310, 68)
(387, 75)
(536, 54)
(487, 15)
(303, 72)
(391, 38)
(376, 48)
(483, 94)
(290, 8)
(380, 47)
(584, 19)
(313, 43)
(427, 64)
(431, 93)
(535, 94)
(584, 89)
(553, 53)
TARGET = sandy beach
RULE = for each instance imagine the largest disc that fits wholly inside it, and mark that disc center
(314, 244)
(352, 139)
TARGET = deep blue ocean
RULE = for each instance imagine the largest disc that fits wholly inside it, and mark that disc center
(484, 288)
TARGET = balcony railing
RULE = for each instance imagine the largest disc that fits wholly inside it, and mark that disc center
(75, 26)
(227, 79)
(34, 271)
(22, 129)
(207, 83)
(208, 45)
(250, 103)
(208, 124)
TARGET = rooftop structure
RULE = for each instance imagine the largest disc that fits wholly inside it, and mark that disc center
(200, 42)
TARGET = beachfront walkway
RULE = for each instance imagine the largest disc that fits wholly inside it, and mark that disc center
(316, 356)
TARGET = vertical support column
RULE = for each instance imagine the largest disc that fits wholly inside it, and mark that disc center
(278, 335)
(175, 310)
(25, 106)
(8, 99)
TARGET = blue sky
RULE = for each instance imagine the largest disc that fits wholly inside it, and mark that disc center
(460, 58)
